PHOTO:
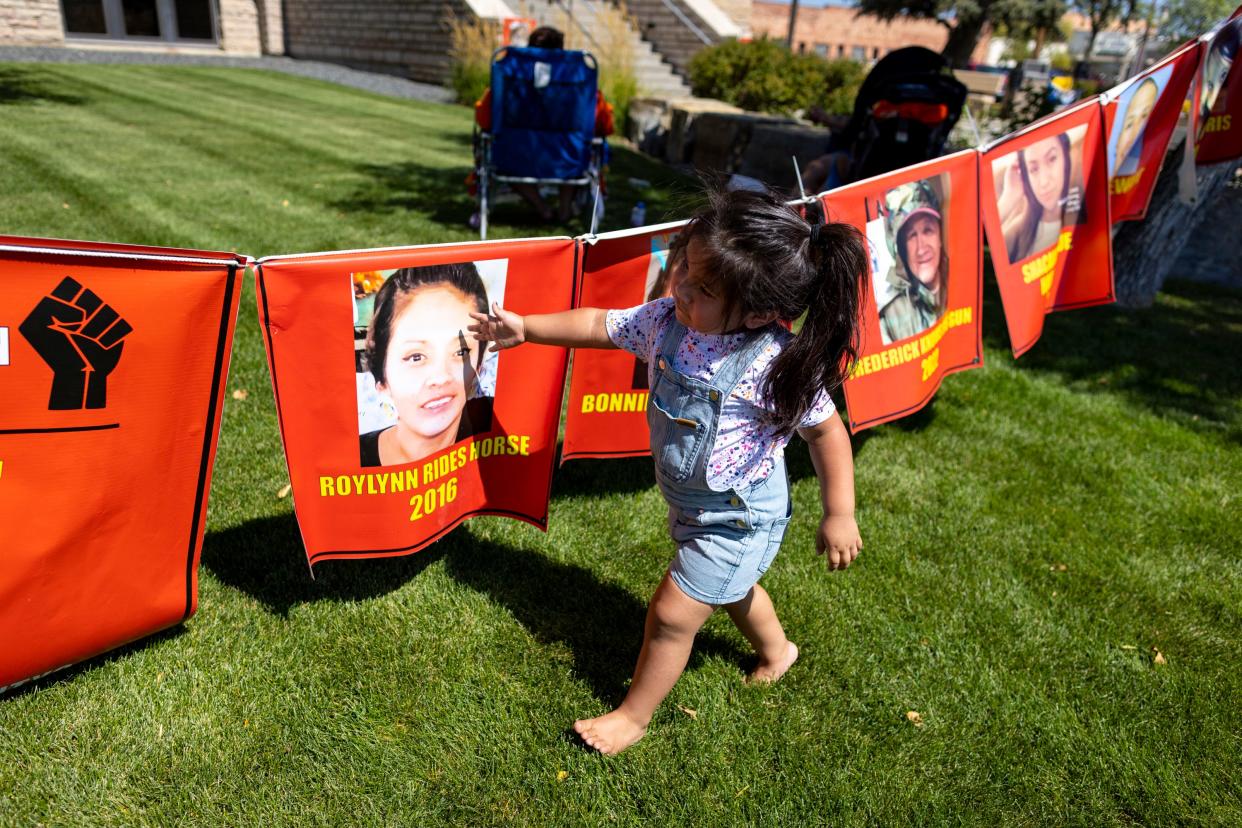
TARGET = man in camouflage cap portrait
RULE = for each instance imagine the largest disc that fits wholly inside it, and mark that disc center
(912, 297)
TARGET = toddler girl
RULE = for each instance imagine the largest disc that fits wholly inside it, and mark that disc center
(729, 387)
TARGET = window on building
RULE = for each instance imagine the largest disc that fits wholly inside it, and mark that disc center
(858, 52)
(84, 17)
(169, 20)
(875, 53)
(840, 50)
(142, 19)
(802, 47)
(821, 49)
(194, 20)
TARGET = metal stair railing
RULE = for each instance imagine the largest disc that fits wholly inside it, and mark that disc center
(687, 22)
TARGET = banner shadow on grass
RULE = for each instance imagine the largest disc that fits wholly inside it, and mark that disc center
(600, 622)
(1178, 357)
(265, 559)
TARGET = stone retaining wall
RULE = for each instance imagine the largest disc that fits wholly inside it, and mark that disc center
(714, 137)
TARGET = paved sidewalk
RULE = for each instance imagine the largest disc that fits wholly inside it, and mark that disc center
(370, 81)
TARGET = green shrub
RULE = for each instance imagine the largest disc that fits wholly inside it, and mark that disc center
(619, 88)
(764, 76)
(470, 56)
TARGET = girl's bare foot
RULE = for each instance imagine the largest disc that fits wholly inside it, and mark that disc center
(611, 733)
(769, 671)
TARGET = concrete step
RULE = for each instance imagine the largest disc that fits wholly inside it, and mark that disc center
(655, 76)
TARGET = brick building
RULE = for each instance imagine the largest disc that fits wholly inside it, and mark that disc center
(840, 32)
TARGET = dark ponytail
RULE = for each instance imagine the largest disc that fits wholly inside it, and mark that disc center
(824, 351)
(770, 260)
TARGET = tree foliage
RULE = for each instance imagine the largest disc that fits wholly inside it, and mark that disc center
(966, 19)
(1184, 19)
(764, 76)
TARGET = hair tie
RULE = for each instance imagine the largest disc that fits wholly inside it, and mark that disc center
(816, 229)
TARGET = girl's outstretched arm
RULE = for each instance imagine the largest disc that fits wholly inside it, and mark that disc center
(834, 466)
(578, 328)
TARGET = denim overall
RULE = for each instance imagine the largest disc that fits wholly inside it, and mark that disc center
(725, 540)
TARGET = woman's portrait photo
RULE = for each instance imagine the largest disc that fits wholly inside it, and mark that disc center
(658, 285)
(1217, 68)
(1039, 192)
(423, 382)
(1134, 108)
(912, 290)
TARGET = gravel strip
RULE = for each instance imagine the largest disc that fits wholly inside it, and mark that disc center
(389, 85)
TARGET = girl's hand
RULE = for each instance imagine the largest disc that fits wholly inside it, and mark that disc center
(504, 329)
(839, 540)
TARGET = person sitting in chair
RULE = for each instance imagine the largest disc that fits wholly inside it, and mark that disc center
(546, 37)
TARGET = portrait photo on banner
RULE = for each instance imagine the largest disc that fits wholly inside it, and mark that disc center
(423, 382)
(907, 234)
(1134, 108)
(658, 285)
(1218, 77)
(1039, 193)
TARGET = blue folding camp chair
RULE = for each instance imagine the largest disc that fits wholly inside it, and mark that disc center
(543, 125)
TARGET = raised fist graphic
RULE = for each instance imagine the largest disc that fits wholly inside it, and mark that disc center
(80, 338)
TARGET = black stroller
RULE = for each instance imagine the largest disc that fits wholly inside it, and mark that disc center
(904, 111)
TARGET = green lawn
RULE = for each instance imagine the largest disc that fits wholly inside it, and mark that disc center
(1031, 539)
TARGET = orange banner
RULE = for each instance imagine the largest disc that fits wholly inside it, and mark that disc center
(113, 360)
(1045, 207)
(607, 414)
(921, 318)
(1218, 116)
(397, 425)
(1139, 118)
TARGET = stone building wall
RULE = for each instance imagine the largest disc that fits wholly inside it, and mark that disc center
(239, 27)
(400, 37)
(31, 23)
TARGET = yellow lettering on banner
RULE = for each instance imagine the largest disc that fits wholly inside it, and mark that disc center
(1039, 268)
(371, 484)
(604, 403)
(1045, 285)
(930, 364)
(914, 349)
(1218, 123)
(407, 480)
(1124, 184)
(425, 502)
(1, 468)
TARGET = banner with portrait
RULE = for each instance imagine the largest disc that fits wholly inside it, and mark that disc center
(1218, 116)
(113, 361)
(397, 424)
(1045, 207)
(1140, 116)
(607, 414)
(921, 317)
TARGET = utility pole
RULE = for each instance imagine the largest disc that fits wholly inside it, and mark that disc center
(793, 20)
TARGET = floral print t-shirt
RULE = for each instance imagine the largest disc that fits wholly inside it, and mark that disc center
(746, 446)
